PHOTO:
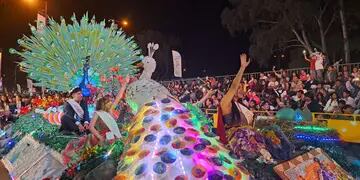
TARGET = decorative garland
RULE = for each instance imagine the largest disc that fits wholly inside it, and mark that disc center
(41, 130)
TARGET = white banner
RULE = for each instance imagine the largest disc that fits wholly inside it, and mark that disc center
(177, 64)
(40, 23)
(18, 88)
(43, 91)
(29, 84)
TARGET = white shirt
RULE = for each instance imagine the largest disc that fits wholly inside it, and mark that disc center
(319, 63)
(350, 101)
(330, 105)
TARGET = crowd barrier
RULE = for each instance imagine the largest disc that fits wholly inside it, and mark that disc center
(350, 66)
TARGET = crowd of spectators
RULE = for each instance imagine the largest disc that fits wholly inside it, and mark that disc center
(14, 104)
(337, 90)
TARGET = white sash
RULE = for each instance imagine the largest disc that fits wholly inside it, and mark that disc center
(247, 113)
(77, 108)
(110, 122)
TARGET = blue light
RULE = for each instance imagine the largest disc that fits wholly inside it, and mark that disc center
(85, 91)
(316, 138)
(298, 116)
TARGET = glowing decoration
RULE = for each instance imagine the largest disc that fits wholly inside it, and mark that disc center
(168, 142)
(55, 57)
(312, 128)
(307, 137)
(315, 164)
(299, 116)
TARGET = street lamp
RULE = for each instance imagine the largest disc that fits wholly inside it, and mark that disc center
(33, 2)
(125, 23)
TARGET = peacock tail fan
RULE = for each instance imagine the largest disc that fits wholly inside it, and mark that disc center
(54, 57)
(168, 141)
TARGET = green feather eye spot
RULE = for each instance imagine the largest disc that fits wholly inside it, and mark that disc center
(12, 51)
(33, 29)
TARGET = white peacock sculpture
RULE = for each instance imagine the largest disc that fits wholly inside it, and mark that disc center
(145, 89)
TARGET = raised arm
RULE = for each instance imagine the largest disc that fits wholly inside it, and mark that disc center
(276, 73)
(120, 94)
(226, 101)
(306, 58)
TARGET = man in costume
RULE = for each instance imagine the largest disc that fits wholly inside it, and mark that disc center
(76, 115)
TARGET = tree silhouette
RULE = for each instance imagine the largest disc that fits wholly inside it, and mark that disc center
(284, 25)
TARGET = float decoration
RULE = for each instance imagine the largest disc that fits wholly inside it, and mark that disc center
(315, 163)
(166, 141)
(54, 58)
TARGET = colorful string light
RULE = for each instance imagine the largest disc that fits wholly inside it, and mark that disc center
(307, 137)
(312, 128)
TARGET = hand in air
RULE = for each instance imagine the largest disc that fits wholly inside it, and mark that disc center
(125, 81)
(211, 92)
(244, 61)
(86, 126)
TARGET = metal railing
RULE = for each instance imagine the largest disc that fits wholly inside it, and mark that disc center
(350, 66)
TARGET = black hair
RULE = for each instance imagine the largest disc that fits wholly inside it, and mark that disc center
(309, 95)
(199, 94)
(75, 90)
(342, 102)
(347, 92)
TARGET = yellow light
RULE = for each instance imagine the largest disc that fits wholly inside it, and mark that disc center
(30, 2)
(124, 22)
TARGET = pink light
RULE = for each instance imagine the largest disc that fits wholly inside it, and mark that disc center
(200, 159)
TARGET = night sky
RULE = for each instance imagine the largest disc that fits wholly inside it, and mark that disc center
(205, 44)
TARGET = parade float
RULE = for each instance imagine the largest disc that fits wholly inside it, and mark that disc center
(165, 139)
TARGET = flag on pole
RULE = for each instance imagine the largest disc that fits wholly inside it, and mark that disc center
(40, 23)
(29, 84)
(177, 64)
(43, 91)
(18, 88)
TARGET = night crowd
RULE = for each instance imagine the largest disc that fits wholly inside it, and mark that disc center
(336, 90)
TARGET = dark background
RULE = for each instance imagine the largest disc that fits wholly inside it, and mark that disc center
(206, 47)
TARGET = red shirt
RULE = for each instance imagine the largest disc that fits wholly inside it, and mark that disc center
(312, 62)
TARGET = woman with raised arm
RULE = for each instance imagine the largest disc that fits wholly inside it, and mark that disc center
(229, 105)
(234, 125)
